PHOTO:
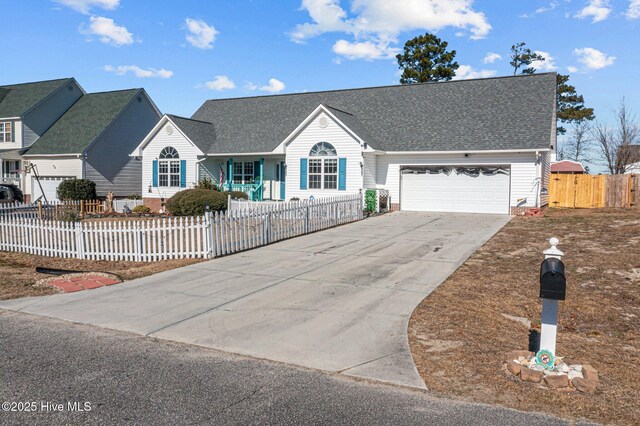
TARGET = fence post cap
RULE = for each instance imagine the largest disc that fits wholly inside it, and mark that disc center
(553, 251)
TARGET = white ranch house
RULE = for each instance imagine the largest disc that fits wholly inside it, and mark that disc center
(479, 146)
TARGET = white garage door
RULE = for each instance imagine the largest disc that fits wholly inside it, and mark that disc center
(49, 187)
(466, 189)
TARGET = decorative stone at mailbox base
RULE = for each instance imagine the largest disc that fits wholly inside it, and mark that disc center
(564, 377)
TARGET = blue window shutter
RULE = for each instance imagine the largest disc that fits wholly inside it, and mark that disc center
(303, 173)
(256, 169)
(230, 170)
(183, 173)
(342, 174)
(155, 174)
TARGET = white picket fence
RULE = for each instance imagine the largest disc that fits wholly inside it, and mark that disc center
(154, 239)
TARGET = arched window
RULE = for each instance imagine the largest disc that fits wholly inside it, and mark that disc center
(169, 168)
(323, 172)
(323, 149)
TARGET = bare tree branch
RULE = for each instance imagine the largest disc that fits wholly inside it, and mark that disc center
(619, 144)
(579, 143)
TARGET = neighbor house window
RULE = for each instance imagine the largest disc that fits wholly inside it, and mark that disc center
(323, 166)
(243, 172)
(169, 168)
(5, 132)
(11, 169)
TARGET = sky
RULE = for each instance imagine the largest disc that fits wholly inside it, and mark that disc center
(184, 52)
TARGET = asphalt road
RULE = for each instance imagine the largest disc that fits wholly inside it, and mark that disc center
(133, 379)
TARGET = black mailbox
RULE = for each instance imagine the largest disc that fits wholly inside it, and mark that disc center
(553, 284)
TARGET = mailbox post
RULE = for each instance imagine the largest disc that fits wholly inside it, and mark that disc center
(552, 290)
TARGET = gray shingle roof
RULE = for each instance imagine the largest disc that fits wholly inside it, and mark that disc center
(352, 122)
(81, 125)
(201, 133)
(16, 99)
(483, 114)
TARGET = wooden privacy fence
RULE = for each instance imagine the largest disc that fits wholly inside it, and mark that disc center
(153, 239)
(594, 191)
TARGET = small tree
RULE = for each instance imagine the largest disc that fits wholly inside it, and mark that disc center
(425, 58)
(619, 144)
(569, 105)
(579, 143)
(522, 56)
(76, 190)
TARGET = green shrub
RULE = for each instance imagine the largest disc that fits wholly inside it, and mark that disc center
(193, 202)
(77, 189)
(141, 209)
(135, 197)
(370, 200)
(206, 183)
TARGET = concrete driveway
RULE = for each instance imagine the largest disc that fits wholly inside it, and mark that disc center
(337, 300)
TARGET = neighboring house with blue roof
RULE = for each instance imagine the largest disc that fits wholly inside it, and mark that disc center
(89, 136)
(480, 145)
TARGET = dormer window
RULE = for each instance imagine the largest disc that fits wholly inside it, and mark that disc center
(6, 132)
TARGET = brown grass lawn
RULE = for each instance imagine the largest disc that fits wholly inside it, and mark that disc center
(458, 334)
(18, 276)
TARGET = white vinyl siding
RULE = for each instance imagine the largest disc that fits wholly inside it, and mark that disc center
(369, 171)
(346, 147)
(523, 171)
(151, 152)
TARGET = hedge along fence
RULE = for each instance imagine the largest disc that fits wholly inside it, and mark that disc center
(147, 240)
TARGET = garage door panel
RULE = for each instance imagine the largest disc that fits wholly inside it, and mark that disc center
(49, 187)
(455, 192)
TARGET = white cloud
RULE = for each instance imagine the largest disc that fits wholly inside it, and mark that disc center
(547, 65)
(200, 34)
(544, 9)
(139, 72)
(366, 50)
(327, 16)
(108, 31)
(376, 24)
(250, 86)
(549, 8)
(593, 59)
(572, 69)
(465, 72)
(633, 12)
(274, 86)
(491, 57)
(597, 10)
(84, 6)
(220, 82)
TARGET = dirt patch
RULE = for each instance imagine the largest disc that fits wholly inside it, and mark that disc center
(599, 322)
(18, 277)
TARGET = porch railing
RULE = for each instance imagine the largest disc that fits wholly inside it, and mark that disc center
(253, 190)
